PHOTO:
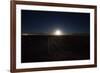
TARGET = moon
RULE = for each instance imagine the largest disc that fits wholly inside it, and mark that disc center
(58, 32)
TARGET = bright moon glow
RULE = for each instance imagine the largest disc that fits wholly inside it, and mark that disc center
(58, 32)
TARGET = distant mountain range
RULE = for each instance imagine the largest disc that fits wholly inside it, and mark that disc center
(25, 34)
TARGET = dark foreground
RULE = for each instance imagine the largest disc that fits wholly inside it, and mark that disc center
(42, 48)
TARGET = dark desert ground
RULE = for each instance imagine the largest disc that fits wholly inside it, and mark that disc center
(41, 48)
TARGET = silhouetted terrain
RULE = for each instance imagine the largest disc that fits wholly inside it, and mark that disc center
(41, 48)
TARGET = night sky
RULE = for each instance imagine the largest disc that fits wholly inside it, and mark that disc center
(49, 21)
